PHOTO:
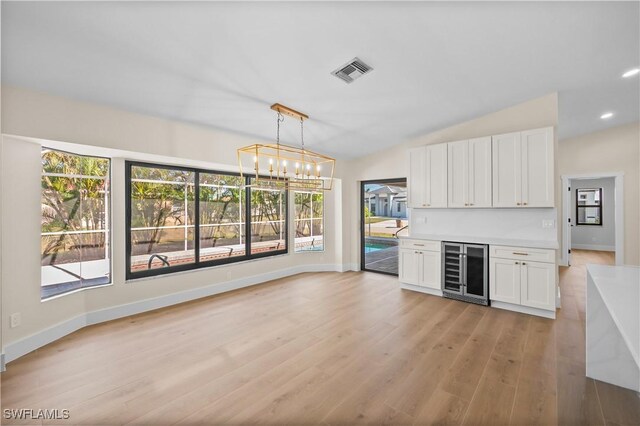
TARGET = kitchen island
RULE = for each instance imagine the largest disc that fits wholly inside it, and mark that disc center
(613, 325)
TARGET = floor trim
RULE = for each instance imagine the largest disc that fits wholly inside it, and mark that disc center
(420, 289)
(37, 340)
(523, 309)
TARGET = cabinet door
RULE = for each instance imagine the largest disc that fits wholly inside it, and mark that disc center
(458, 173)
(538, 285)
(479, 192)
(537, 168)
(506, 165)
(417, 178)
(436, 170)
(431, 268)
(504, 280)
(410, 266)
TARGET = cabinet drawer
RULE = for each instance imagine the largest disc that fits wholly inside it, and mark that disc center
(521, 253)
(421, 244)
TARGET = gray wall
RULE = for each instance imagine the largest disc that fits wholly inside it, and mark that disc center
(591, 236)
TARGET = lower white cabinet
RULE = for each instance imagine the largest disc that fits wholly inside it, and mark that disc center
(538, 284)
(521, 282)
(420, 267)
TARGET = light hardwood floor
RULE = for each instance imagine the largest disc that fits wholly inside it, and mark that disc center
(327, 348)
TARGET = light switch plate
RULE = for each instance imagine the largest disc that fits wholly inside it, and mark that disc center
(549, 223)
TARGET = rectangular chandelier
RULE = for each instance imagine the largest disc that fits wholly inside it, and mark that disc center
(284, 166)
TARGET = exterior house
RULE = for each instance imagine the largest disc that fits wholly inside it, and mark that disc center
(388, 201)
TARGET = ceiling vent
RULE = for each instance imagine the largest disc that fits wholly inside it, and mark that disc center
(352, 70)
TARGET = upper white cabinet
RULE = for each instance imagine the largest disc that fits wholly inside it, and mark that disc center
(537, 168)
(469, 173)
(509, 170)
(428, 176)
(523, 169)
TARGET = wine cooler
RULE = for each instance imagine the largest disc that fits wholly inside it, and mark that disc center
(465, 272)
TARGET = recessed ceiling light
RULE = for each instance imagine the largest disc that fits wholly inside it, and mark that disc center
(606, 115)
(631, 72)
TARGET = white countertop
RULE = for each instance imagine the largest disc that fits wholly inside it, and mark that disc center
(546, 244)
(619, 287)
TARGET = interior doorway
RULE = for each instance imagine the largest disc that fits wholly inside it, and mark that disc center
(592, 215)
(383, 211)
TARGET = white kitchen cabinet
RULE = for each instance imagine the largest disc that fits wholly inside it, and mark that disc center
(410, 266)
(521, 285)
(537, 168)
(538, 285)
(428, 176)
(507, 173)
(420, 263)
(504, 280)
(523, 169)
(458, 173)
(431, 270)
(469, 173)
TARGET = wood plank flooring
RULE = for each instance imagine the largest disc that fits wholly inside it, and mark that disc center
(326, 348)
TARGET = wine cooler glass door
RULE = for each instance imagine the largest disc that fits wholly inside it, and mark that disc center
(476, 270)
(453, 276)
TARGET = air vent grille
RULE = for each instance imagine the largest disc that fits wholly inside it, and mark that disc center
(352, 70)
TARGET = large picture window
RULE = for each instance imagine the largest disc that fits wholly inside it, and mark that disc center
(74, 222)
(309, 223)
(169, 231)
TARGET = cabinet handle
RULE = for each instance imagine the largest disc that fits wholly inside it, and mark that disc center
(520, 254)
(524, 204)
(523, 263)
(424, 205)
(517, 263)
(517, 204)
(466, 204)
(470, 204)
(419, 245)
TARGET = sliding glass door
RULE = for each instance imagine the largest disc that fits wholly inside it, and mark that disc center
(383, 206)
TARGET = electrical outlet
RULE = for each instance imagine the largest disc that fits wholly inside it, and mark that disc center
(15, 320)
(549, 223)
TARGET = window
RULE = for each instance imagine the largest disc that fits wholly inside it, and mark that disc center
(268, 225)
(74, 242)
(162, 217)
(169, 231)
(309, 211)
(222, 213)
(589, 206)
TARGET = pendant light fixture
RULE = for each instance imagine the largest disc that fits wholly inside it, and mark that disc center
(283, 166)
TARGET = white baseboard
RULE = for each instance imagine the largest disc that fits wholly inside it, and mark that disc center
(523, 309)
(30, 343)
(593, 247)
(420, 289)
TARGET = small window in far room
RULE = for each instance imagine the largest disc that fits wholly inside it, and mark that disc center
(589, 206)
(74, 241)
(309, 221)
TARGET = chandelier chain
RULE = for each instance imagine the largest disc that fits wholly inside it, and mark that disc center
(279, 119)
(302, 133)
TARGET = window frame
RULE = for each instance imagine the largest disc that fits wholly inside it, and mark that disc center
(108, 223)
(598, 206)
(197, 264)
(311, 219)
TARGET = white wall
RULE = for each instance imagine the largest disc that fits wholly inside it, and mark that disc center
(612, 150)
(595, 237)
(394, 162)
(91, 129)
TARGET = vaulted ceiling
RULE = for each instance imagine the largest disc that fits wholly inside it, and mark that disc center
(435, 64)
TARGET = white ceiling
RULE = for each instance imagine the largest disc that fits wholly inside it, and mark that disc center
(435, 64)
